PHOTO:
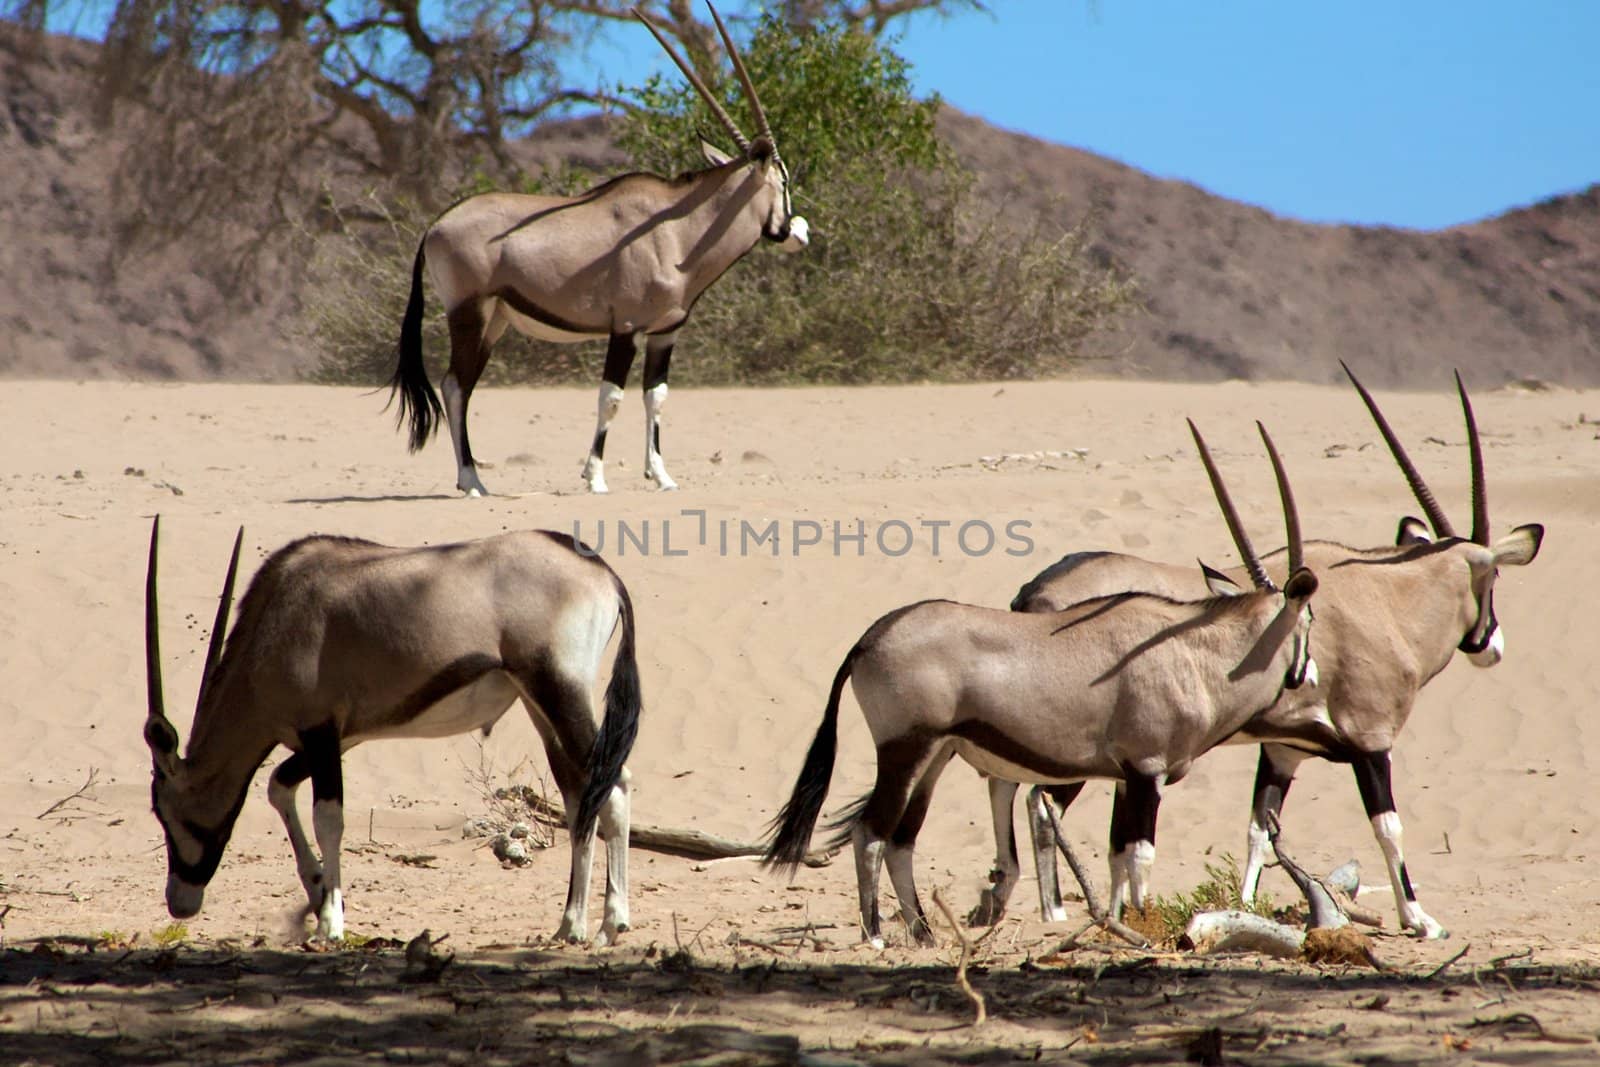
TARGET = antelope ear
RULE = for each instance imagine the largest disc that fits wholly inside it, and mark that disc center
(1302, 583)
(714, 155)
(1219, 584)
(1412, 532)
(1519, 546)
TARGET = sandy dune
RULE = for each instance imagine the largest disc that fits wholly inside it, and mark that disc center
(1494, 774)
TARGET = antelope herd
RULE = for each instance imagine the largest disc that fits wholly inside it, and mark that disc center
(1107, 666)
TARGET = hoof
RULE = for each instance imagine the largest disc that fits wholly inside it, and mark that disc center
(987, 912)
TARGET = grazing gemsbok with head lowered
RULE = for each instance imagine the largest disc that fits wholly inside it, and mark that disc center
(341, 641)
(1131, 687)
(1388, 620)
(625, 260)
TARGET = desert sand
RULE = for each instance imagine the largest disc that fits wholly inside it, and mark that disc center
(1494, 773)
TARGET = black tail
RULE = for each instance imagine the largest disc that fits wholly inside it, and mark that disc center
(410, 382)
(786, 849)
(619, 726)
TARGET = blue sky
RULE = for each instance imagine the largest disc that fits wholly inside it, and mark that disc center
(1416, 113)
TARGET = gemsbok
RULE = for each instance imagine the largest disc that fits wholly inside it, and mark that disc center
(1130, 687)
(341, 641)
(1388, 621)
(625, 260)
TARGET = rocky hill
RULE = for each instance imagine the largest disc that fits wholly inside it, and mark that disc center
(1231, 291)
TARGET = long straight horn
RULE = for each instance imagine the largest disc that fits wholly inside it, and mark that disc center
(1291, 514)
(157, 705)
(219, 628)
(1419, 488)
(1230, 514)
(694, 79)
(1480, 500)
(763, 127)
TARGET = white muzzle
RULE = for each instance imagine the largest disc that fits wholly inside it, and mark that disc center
(799, 234)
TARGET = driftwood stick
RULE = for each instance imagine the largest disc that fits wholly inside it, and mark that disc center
(1097, 911)
(961, 966)
(689, 844)
(1325, 911)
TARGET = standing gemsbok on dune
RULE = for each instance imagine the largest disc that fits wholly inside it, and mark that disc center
(625, 260)
(1388, 620)
(341, 641)
(1131, 687)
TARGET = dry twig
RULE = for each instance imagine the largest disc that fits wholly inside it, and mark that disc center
(1099, 916)
(81, 793)
(961, 966)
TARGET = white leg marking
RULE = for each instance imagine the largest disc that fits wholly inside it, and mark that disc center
(614, 821)
(608, 404)
(1386, 828)
(654, 468)
(305, 860)
(575, 920)
(1003, 878)
(869, 863)
(1255, 860)
(327, 819)
(1051, 907)
(1141, 862)
(466, 474)
(1120, 863)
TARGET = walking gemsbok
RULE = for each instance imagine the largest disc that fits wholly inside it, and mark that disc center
(1388, 620)
(1131, 687)
(625, 260)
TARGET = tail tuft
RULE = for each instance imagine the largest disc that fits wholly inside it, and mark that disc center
(620, 725)
(410, 385)
(791, 835)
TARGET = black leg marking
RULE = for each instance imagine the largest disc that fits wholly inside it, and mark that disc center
(1269, 776)
(292, 771)
(320, 748)
(657, 362)
(469, 353)
(900, 763)
(1133, 811)
(619, 359)
(917, 810)
(1373, 778)
(599, 448)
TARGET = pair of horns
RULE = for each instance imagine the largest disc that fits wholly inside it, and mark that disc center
(152, 637)
(1425, 498)
(763, 127)
(1230, 514)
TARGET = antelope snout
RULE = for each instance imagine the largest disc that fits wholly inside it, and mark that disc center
(799, 234)
(1492, 653)
(184, 900)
